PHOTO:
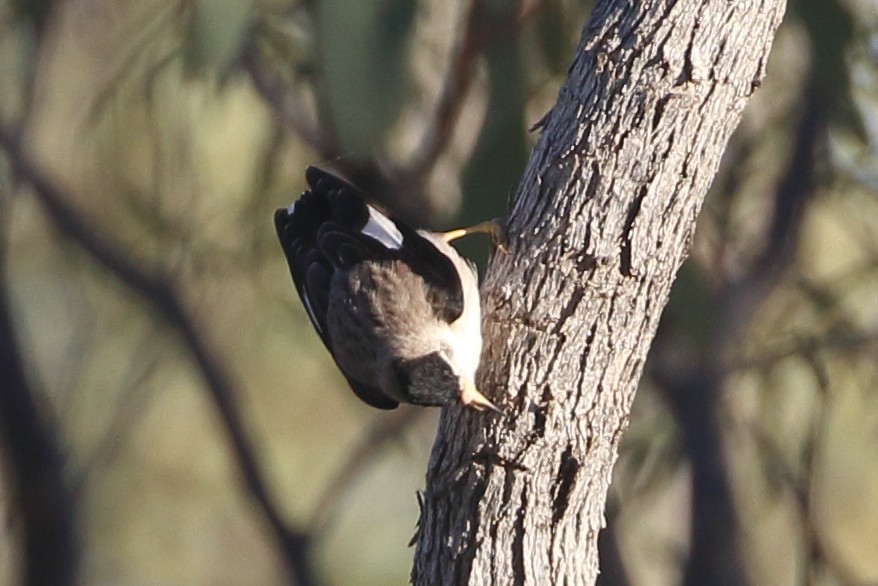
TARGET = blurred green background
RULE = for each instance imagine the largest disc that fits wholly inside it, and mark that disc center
(178, 127)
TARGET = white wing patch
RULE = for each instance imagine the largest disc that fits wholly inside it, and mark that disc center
(291, 209)
(382, 229)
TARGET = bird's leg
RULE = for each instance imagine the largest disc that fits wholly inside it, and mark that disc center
(471, 397)
(493, 227)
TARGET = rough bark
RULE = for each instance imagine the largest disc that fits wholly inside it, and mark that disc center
(599, 226)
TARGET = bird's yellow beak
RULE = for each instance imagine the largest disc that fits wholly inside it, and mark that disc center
(471, 397)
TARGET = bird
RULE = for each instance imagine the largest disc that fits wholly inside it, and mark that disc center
(397, 308)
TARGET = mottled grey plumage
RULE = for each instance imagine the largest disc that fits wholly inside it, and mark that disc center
(398, 309)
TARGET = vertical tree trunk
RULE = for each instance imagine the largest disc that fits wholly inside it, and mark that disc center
(600, 224)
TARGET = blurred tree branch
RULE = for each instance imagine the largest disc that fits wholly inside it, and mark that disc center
(461, 72)
(390, 184)
(740, 298)
(289, 109)
(693, 388)
(372, 443)
(799, 477)
(396, 184)
(128, 408)
(612, 566)
(33, 448)
(161, 295)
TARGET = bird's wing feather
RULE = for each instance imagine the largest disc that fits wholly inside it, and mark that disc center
(304, 260)
(353, 231)
(312, 275)
(370, 395)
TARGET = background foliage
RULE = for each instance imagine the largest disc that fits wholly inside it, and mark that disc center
(176, 127)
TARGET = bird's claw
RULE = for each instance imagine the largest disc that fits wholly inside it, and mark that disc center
(495, 228)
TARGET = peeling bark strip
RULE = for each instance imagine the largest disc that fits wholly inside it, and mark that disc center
(601, 222)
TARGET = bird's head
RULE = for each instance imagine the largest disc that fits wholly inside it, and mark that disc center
(435, 380)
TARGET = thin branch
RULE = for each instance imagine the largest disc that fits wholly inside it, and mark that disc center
(50, 545)
(382, 431)
(529, 9)
(129, 405)
(480, 32)
(396, 185)
(804, 346)
(461, 72)
(392, 186)
(800, 483)
(142, 41)
(288, 110)
(162, 296)
(744, 296)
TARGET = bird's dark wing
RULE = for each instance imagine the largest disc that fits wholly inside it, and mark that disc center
(311, 271)
(357, 231)
(370, 395)
(312, 276)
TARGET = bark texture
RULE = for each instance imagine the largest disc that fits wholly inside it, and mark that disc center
(599, 226)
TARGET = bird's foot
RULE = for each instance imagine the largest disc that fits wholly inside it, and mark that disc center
(495, 228)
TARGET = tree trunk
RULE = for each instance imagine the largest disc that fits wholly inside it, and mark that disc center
(599, 226)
